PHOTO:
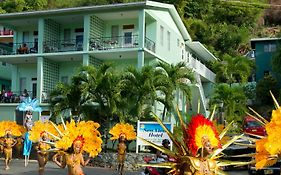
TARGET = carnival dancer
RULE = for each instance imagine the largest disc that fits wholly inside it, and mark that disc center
(201, 141)
(27, 146)
(122, 132)
(73, 140)
(28, 105)
(8, 130)
(199, 150)
(39, 134)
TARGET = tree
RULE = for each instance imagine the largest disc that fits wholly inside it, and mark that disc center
(276, 60)
(173, 78)
(138, 87)
(67, 97)
(11, 6)
(233, 70)
(233, 100)
(268, 83)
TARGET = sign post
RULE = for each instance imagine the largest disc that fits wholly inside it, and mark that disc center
(153, 132)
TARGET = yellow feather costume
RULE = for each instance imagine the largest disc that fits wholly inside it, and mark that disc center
(16, 130)
(123, 128)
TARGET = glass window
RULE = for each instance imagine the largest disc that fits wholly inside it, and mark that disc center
(22, 84)
(115, 32)
(67, 34)
(161, 35)
(128, 38)
(25, 37)
(169, 40)
(269, 48)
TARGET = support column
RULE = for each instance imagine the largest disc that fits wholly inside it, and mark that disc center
(39, 89)
(40, 35)
(15, 40)
(86, 60)
(86, 34)
(15, 79)
(141, 38)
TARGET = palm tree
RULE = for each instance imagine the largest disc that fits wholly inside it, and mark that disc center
(234, 101)
(139, 90)
(233, 69)
(67, 97)
(175, 77)
(100, 86)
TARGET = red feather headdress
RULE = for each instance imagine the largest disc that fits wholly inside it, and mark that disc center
(198, 128)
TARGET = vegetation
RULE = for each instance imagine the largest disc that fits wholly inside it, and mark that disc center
(107, 96)
(268, 83)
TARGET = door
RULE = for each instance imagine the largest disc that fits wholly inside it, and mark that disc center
(128, 37)
(79, 42)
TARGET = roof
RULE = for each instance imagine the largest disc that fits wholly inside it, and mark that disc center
(264, 39)
(255, 40)
(101, 8)
(201, 50)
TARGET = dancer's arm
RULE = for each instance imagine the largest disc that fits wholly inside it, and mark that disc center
(60, 164)
(15, 142)
(84, 163)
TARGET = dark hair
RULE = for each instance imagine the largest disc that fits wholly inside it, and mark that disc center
(165, 141)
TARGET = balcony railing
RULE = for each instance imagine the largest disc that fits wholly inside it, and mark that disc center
(149, 44)
(62, 46)
(6, 32)
(107, 43)
(202, 69)
(18, 48)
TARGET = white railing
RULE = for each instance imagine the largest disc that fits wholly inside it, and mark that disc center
(201, 90)
(201, 69)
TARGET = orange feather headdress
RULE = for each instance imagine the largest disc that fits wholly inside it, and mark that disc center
(123, 129)
(198, 128)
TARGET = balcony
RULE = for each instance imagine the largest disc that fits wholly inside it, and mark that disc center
(202, 69)
(18, 48)
(15, 97)
(149, 44)
(108, 43)
(6, 32)
(62, 46)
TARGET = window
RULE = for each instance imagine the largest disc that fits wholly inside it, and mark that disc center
(270, 48)
(161, 35)
(79, 30)
(128, 34)
(22, 83)
(128, 37)
(66, 34)
(114, 33)
(178, 42)
(130, 26)
(169, 40)
(25, 37)
(4, 63)
(265, 73)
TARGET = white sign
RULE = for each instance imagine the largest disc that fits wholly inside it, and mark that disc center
(153, 132)
(44, 118)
